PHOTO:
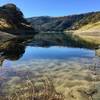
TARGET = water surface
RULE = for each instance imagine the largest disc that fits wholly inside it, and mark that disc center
(68, 68)
(54, 53)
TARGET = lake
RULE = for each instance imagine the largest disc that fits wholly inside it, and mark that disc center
(68, 67)
(53, 52)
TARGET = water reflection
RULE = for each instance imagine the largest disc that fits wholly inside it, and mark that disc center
(16, 53)
(12, 52)
(53, 53)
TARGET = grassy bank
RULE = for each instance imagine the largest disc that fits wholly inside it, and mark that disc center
(90, 33)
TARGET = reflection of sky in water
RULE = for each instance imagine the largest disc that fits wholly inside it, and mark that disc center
(7, 63)
(50, 53)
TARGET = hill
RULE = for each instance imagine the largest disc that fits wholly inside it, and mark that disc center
(72, 22)
(90, 32)
(92, 27)
(5, 36)
(86, 27)
(12, 21)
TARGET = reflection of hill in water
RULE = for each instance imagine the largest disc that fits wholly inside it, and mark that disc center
(12, 51)
(15, 48)
(61, 39)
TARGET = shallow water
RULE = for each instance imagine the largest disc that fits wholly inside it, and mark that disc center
(67, 66)
(36, 57)
(50, 53)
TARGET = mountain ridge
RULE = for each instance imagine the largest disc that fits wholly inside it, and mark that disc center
(71, 22)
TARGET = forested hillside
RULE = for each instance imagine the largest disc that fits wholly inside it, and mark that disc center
(72, 22)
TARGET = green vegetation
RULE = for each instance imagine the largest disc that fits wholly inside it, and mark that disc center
(72, 22)
(12, 21)
(70, 81)
(84, 28)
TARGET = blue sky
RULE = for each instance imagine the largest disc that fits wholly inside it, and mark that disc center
(54, 7)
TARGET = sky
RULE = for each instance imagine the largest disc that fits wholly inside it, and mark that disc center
(32, 8)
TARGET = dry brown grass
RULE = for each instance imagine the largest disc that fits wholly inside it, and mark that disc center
(90, 33)
(31, 91)
(98, 52)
